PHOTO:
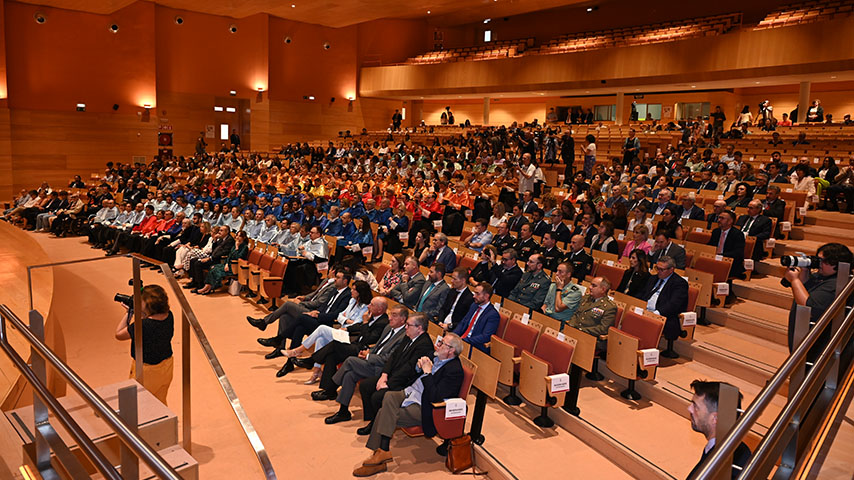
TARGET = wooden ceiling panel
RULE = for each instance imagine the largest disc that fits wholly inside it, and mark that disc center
(338, 13)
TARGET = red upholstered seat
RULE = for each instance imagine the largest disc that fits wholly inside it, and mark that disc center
(556, 353)
(521, 336)
(613, 274)
(447, 429)
(468, 263)
(254, 257)
(502, 324)
(381, 271)
(647, 330)
(266, 262)
(718, 269)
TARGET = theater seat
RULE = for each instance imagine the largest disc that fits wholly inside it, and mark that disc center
(244, 265)
(637, 332)
(552, 355)
(508, 350)
(453, 428)
(273, 282)
(255, 272)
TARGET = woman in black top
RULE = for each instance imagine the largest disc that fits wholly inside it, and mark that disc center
(741, 197)
(604, 240)
(480, 273)
(635, 278)
(158, 326)
(670, 224)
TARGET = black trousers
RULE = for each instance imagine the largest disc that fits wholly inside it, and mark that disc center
(198, 268)
(330, 356)
(372, 399)
(296, 328)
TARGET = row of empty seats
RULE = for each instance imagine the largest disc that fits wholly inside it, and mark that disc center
(809, 12)
(489, 51)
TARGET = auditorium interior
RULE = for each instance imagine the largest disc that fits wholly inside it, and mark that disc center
(671, 183)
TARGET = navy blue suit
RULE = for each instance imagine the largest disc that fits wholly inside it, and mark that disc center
(485, 326)
(448, 257)
(446, 383)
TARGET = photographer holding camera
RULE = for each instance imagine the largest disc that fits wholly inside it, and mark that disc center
(158, 326)
(816, 290)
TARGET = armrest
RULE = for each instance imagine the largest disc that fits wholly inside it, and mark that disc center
(517, 360)
(439, 405)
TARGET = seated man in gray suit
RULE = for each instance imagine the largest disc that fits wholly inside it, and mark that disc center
(433, 293)
(408, 290)
(367, 365)
(664, 246)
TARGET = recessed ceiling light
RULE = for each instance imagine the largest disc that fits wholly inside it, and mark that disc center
(693, 86)
(487, 20)
(293, 6)
(232, 92)
(311, 97)
(428, 12)
(833, 76)
(756, 83)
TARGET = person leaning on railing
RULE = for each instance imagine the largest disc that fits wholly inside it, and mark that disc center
(816, 290)
(158, 326)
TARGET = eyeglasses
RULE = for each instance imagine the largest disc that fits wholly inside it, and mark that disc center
(411, 324)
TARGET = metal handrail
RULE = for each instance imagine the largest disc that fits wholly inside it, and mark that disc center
(142, 450)
(725, 449)
(189, 319)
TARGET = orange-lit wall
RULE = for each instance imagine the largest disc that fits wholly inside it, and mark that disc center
(391, 41)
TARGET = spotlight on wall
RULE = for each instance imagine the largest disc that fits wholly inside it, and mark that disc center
(81, 107)
(288, 40)
(592, 9)
(326, 45)
(332, 100)
(351, 98)
(147, 106)
(179, 20)
(232, 92)
(114, 28)
(115, 106)
(232, 28)
(311, 97)
(40, 18)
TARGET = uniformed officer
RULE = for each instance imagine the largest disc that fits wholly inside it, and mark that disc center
(552, 256)
(564, 295)
(597, 312)
(503, 240)
(526, 245)
(582, 262)
(533, 286)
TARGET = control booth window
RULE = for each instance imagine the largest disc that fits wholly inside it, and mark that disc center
(605, 113)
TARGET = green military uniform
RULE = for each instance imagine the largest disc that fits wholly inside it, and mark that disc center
(571, 297)
(595, 316)
(531, 290)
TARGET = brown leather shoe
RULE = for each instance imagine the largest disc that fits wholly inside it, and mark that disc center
(367, 471)
(379, 457)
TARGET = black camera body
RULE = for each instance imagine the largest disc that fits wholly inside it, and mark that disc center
(126, 300)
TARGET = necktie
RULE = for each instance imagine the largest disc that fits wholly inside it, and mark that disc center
(747, 225)
(381, 345)
(332, 301)
(424, 297)
(721, 242)
(471, 323)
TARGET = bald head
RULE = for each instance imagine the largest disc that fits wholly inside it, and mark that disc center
(378, 306)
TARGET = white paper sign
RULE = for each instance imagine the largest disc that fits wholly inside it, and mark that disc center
(437, 224)
(559, 383)
(322, 266)
(689, 319)
(698, 229)
(770, 243)
(525, 318)
(425, 212)
(621, 236)
(456, 251)
(815, 160)
(719, 258)
(561, 178)
(638, 310)
(583, 289)
(355, 247)
(802, 211)
(786, 227)
(403, 236)
(341, 335)
(748, 264)
(720, 197)
(468, 213)
(392, 224)
(649, 357)
(752, 158)
(610, 263)
(789, 190)
(455, 408)
(561, 336)
(722, 288)
(367, 251)
(438, 340)
(497, 306)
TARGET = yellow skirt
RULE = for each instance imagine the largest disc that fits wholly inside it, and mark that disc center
(155, 378)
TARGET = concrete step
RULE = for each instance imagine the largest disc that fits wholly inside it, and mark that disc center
(158, 426)
(823, 234)
(829, 219)
(796, 247)
(758, 319)
(770, 267)
(740, 354)
(177, 458)
(764, 289)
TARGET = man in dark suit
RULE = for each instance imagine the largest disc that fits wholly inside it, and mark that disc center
(458, 300)
(704, 419)
(666, 294)
(774, 206)
(712, 219)
(515, 222)
(528, 205)
(301, 304)
(664, 246)
(754, 224)
(582, 262)
(706, 182)
(664, 196)
(539, 226)
(398, 372)
(526, 245)
(440, 378)
(586, 229)
(504, 276)
(559, 229)
(409, 289)
(729, 242)
(686, 179)
(638, 198)
(439, 252)
(689, 210)
(503, 240)
(325, 314)
(361, 335)
(433, 293)
(367, 363)
(481, 320)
